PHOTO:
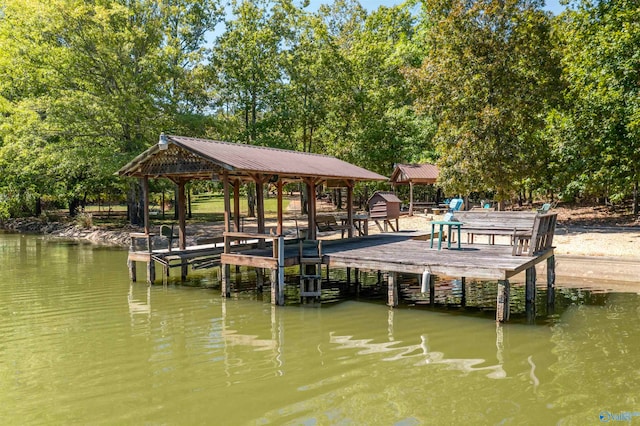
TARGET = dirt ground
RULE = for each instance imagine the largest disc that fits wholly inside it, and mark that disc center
(581, 231)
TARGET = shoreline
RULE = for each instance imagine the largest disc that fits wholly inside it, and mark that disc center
(593, 253)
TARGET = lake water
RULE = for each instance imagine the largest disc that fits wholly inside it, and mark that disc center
(80, 344)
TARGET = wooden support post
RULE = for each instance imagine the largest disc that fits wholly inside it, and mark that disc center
(275, 297)
(348, 277)
(279, 186)
(182, 220)
(410, 198)
(236, 205)
(393, 289)
(350, 185)
(132, 270)
(225, 284)
(259, 180)
(280, 270)
(165, 273)
(145, 191)
(530, 297)
(151, 271)
(502, 306)
(259, 279)
(463, 301)
(226, 269)
(311, 199)
(432, 290)
(551, 285)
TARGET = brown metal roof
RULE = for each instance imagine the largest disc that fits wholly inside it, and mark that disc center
(386, 196)
(416, 173)
(204, 159)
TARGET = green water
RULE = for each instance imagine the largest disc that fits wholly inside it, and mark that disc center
(80, 344)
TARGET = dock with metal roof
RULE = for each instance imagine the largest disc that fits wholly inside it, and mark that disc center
(182, 159)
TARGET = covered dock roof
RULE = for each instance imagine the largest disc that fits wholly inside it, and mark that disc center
(180, 157)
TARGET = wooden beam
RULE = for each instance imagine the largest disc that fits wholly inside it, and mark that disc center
(145, 195)
(280, 186)
(311, 198)
(393, 289)
(410, 198)
(236, 204)
(350, 185)
(249, 260)
(182, 221)
(259, 180)
(226, 270)
(530, 294)
(502, 303)
(551, 284)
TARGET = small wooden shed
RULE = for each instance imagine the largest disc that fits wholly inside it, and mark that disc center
(384, 206)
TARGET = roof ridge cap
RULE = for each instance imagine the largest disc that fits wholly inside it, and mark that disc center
(268, 148)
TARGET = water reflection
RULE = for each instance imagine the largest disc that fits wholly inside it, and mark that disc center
(78, 339)
(420, 353)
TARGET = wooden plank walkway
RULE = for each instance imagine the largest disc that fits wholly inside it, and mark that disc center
(401, 252)
(404, 254)
(409, 253)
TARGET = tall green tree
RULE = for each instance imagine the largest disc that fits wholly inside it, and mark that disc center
(370, 119)
(96, 81)
(488, 80)
(246, 64)
(601, 63)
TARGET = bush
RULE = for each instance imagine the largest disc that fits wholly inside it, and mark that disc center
(84, 220)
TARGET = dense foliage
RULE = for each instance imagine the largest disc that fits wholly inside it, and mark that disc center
(504, 96)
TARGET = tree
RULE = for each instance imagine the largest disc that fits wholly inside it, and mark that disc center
(97, 82)
(370, 118)
(488, 80)
(601, 64)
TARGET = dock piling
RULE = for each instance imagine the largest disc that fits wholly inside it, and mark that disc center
(393, 289)
(502, 311)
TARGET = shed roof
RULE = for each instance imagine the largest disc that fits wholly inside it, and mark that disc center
(416, 173)
(389, 197)
(195, 158)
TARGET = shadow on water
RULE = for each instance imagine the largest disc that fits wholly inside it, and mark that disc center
(471, 298)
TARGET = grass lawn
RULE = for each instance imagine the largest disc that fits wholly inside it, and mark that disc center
(206, 207)
(208, 203)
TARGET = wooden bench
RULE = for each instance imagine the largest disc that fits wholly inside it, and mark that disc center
(326, 223)
(530, 232)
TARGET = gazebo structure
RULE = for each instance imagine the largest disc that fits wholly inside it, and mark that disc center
(181, 159)
(412, 174)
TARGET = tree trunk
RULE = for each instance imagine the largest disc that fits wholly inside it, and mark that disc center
(38, 206)
(636, 210)
(73, 206)
(135, 204)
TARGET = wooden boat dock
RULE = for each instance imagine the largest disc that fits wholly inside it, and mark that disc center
(181, 159)
(409, 253)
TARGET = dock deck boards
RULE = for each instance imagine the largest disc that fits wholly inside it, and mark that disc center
(402, 252)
